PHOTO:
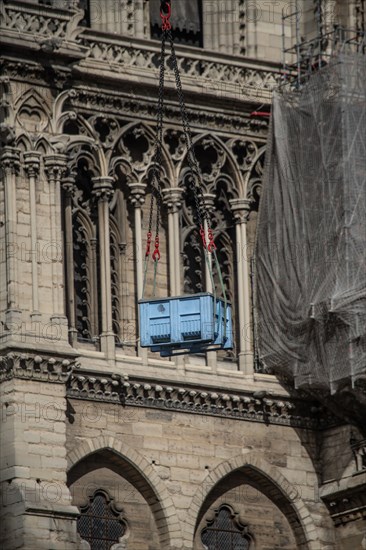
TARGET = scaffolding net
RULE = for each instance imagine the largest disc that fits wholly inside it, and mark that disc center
(310, 252)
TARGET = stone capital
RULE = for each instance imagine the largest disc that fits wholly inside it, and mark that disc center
(209, 201)
(32, 161)
(55, 166)
(172, 197)
(103, 188)
(68, 185)
(240, 209)
(10, 160)
(138, 193)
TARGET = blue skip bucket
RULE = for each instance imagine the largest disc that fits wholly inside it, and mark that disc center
(185, 324)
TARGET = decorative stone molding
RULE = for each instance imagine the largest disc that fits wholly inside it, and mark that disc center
(173, 198)
(138, 192)
(49, 29)
(241, 209)
(55, 166)
(347, 506)
(56, 370)
(111, 103)
(195, 400)
(209, 202)
(214, 76)
(68, 185)
(58, 31)
(32, 160)
(115, 104)
(103, 188)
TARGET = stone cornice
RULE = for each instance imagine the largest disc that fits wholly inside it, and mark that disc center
(128, 64)
(56, 370)
(26, 28)
(88, 99)
(206, 72)
(249, 406)
(201, 116)
(257, 406)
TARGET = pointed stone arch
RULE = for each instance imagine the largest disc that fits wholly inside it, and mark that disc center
(23, 143)
(77, 147)
(32, 115)
(167, 163)
(253, 180)
(236, 175)
(270, 481)
(141, 474)
(43, 146)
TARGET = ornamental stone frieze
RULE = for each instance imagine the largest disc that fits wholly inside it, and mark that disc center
(48, 31)
(241, 81)
(115, 104)
(113, 57)
(56, 370)
(247, 406)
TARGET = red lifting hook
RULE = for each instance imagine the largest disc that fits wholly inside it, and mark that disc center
(165, 17)
(211, 244)
(156, 253)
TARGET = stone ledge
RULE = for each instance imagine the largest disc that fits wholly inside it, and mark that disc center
(36, 367)
(243, 405)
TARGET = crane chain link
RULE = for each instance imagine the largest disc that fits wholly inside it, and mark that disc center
(196, 179)
(157, 158)
(197, 183)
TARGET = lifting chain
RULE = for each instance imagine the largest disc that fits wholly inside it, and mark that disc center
(196, 176)
(157, 160)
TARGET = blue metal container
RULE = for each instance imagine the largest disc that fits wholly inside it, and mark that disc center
(193, 323)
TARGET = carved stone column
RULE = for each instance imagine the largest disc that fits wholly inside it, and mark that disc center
(55, 168)
(209, 199)
(210, 205)
(31, 165)
(137, 199)
(103, 191)
(172, 198)
(241, 209)
(68, 185)
(10, 167)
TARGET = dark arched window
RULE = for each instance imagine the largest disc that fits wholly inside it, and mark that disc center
(100, 524)
(225, 532)
(83, 273)
(186, 21)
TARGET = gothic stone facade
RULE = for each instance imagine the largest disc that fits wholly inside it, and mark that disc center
(101, 440)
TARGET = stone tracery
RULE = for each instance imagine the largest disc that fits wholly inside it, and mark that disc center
(98, 145)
